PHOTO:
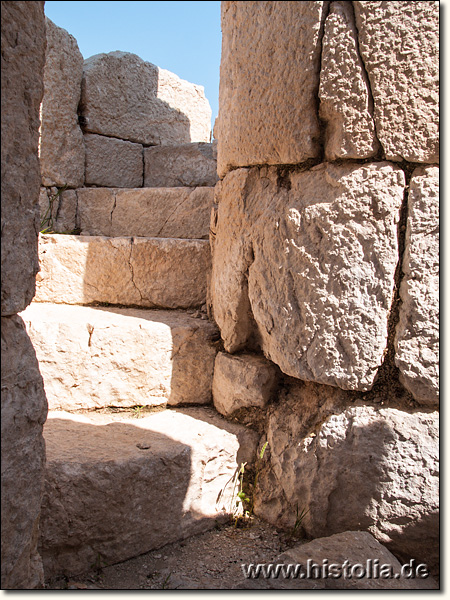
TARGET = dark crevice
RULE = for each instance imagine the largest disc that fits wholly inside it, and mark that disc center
(380, 155)
(387, 387)
(322, 125)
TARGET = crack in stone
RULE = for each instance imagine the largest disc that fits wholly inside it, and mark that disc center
(112, 210)
(173, 212)
(322, 124)
(371, 105)
(132, 271)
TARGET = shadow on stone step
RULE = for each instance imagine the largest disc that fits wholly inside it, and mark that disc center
(115, 490)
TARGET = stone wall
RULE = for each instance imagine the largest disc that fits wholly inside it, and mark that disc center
(102, 116)
(24, 406)
(325, 261)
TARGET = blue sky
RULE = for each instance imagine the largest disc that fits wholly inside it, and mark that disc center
(183, 37)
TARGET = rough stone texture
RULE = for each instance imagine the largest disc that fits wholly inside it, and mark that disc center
(242, 381)
(22, 67)
(122, 96)
(116, 489)
(100, 357)
(189, 165)
(359, 560)
(148, 212)
(312, 256)
(399, 44)
(269, 77)
(345, 102)
(417, 340)
(151, 272)
(61, 144)
(353, 467)
(113, 163)
(24, 409)
(58, 210)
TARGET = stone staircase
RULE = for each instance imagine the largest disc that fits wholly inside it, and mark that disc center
(135, 456)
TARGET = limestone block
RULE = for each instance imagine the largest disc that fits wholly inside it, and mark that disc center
(417, 340)
(98, 357)
(113, 163)
(310, 257)
(117, 488)
(242, 381)
(345, 102)
(359, 562)
(150, 272)
(24, 409)
(22, 67)
(61, 144)
(399, 45)
(189, 165)
(354, 468)
(125, 97)
(58, 210)
(269, 76)
(146, 212)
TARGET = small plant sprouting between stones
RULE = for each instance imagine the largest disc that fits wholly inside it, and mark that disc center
(46, 225)
(300, 515)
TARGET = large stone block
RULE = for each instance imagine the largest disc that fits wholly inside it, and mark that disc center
(353, 468)
(116, 489)
(125, 97)
(24, 409)
(345, 102)
(150, 272)
(311, 258)
(241, 382)
(99, 357)
(189, 165)
(399, 44)
(269, 77)
(352, 560)
(22, 68)
(113, 163)
(61, 150)
(417, 340)
(147, 212)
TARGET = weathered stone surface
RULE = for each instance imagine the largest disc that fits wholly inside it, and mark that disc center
(113, 163)
(242, 381)
(151, 272)
(269, 76)
(417, 340)
(61, 150)
(24, 409)
(353, 467)
(147, 212)
(100, 357)
(399, 45)
(22, 67)
(118, 488)
(58, 210)
(189, 165)
(359, 562)
(312, 256)
(122, 96)
(344, 92)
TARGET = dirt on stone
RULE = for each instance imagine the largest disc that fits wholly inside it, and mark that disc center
(209, 561)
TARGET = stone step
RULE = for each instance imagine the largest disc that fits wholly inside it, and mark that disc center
(100, 357)
(168, 212)
(127, 271)
(118, 487)
(183, 165)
